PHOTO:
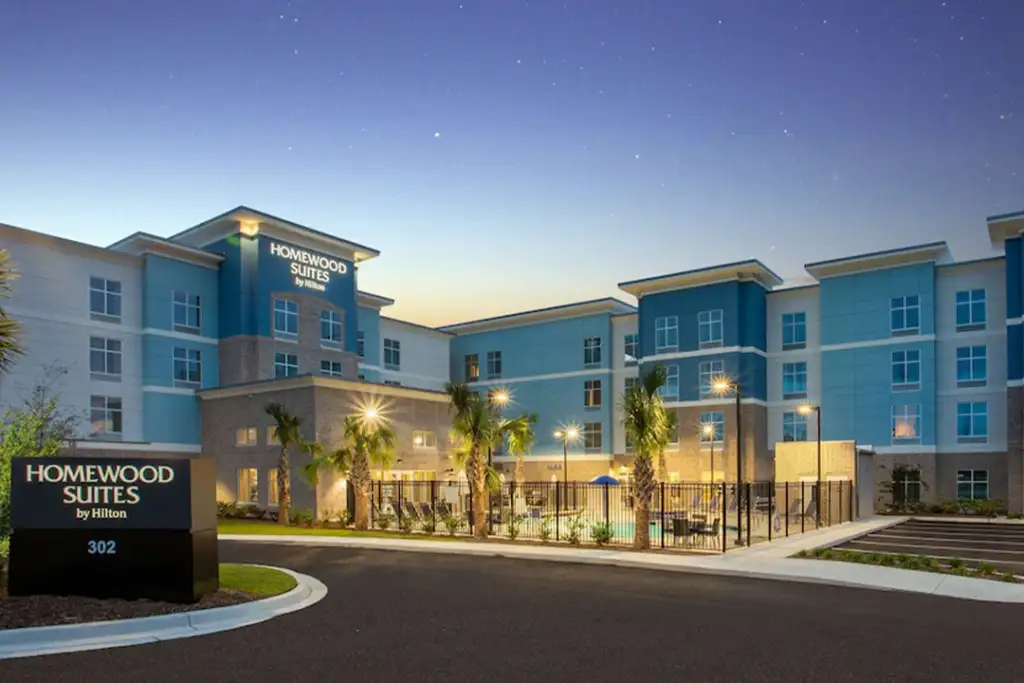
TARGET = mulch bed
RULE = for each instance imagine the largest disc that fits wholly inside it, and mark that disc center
(53, 610)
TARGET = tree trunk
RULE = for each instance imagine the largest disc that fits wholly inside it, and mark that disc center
(642, 532)
(478, 480)
(284, 487)
(520, 470)
(644, 483)
(360, 476)
(662, 467)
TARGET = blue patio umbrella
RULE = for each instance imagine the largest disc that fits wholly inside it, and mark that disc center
(605, 479)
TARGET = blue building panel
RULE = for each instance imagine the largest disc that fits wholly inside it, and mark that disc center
(1014, 279)
(749, 369)
(163, 277)
(233, 288)
(171, 418)
(369, 324)
(857, 308)
(1014, 352)
(541, 349)
(158, 360)
(743, 306)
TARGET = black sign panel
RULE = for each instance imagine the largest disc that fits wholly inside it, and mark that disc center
(100, 493)
(112, 527)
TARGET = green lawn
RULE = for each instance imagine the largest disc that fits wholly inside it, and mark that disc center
(259, 581)
(251, 527)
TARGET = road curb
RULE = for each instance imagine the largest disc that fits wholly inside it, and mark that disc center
(875, 578)
(45, 640)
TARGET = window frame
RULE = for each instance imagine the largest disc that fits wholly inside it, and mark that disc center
(332, 319)
(361, 344)
(109, 356)
(904, 305)
(111, 291)
(187, 306)
(631, 342)
(906, 414)
(246, 442)
(902, 358)
(716, 418)
(252, 485)
(592, 389)
(794, 370)
(112, 416)
(427, 439)
(282, 359)
(592, 352)
(395, 354)
(671, 379)
(494, 365)
(189, 359)
(972, 413)
(333, 368)
(712, 319)
(273, 492)
(706, 369)
(670, 331)
(592, 431)
(971, 362)
(283, 307)
(794, 421)
(471, 367)
(793, 325)
(972, 481)
(969, 305)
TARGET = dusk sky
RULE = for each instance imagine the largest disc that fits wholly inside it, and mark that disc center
(505, 155)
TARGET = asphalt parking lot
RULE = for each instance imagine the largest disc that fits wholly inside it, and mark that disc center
(999, 544)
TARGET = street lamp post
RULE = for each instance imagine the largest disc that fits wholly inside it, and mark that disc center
(565, 435)
(499, 398)
(709, 431)
(724, 386)
(807, 410)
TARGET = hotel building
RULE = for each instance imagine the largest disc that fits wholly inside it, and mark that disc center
(174, 346)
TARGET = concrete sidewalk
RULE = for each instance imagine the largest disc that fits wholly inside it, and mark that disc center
(764, 561)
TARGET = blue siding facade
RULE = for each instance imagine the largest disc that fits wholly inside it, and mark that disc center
(856, 308)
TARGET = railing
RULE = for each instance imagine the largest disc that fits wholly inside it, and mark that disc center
(685, 516)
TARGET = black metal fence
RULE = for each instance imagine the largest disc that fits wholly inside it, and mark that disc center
(713, 517)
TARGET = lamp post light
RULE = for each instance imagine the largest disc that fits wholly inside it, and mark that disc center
(499, 398)
(567, 435)
(722, 387)
(807, 410)
(709, 431)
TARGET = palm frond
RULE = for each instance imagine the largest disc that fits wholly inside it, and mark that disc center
(492, 479)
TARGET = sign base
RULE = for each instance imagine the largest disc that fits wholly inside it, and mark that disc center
(170, 566)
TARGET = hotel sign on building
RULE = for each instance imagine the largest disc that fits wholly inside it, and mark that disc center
(308, 270)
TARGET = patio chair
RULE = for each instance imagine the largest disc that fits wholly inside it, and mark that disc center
(409, 509)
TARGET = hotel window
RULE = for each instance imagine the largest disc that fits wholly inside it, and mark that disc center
(286, 319)
(392, 354)
(591, 351)
(592, 437)
(708, 371)
(272, 436)
(187, 314)
(493, 364)
(272, 492)
(424, 439)
(666, 334)
(472, 362)
(906, 486)
(188, 367)
(330, 368)
(245, 436)
(794, 331)
(286, 365)
(330, 328)
(248, 485)
(715, 418)
(631, 343)
(105, 417)
(361, 344)
(105, 299)
(794, 427)
(794, 380)
(105, 358)
(906, 424)
(906, 370)
(970, 310)
(972, 484)
(630, 384)
(592, 393)
(971, 366)
(670, 392)
(905, 315)
(972, 422)
(710, 328)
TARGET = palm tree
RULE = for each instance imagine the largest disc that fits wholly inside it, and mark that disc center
(477, 424)
(9, 329)
(370, 443)
(671, 429)
(520, 441)
(286, 431)
(646, 423)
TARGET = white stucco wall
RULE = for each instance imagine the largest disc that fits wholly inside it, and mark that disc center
(425, 356)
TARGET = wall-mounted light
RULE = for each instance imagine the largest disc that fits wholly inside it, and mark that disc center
(249, 228)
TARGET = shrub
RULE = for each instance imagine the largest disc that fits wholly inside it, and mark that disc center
(302, 517)
(230, 510)
(573, 529)
(429, 525)
(385, 520)
(270, 515)
(327, 515)
(601, 533)
(1015, 515)
(254, 511)
(405, 524)
(545, 529)
(515, 525)
(452, 523)
(345, 518)
(5, 547)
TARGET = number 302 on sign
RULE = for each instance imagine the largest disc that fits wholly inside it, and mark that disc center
(102, 547)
